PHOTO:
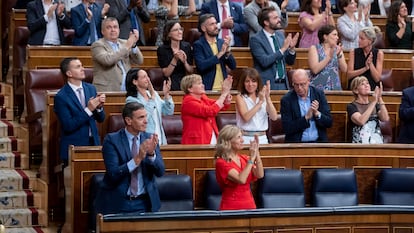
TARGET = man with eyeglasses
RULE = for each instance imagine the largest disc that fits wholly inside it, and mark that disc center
(271, 51)
(305, 111)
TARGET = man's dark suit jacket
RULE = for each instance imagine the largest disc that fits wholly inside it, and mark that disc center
(74, 121)
(37, 23)
(206, 61)
(240, 27)
(294, 124)
(264, 59)
(406, 113)
(81, 27)
(118, 9)
(116, 154)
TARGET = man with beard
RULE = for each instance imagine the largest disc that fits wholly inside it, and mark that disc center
(271, 50)
(211, 54)
(251, 11)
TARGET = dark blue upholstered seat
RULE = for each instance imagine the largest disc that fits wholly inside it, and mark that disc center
(212, 191)
(396, 187)
(334, 187)
(176, 192)
(281, 188)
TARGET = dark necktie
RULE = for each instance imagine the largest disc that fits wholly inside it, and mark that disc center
(134, 174)
(133, 17)
(280, 70)
(92, 26)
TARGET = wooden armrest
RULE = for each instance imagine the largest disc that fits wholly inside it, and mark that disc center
(33, 117)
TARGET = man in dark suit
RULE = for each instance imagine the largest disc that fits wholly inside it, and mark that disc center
(46, 27)
(132, 160)
(77, 107)
(271, 51)
(229, 18)
(211, 54)
(86, 21)
(407, 116)
(305, 111)
(130, 15)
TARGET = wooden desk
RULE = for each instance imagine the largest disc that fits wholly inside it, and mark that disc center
(196, 160)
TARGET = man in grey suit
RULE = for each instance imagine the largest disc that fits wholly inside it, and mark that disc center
(130, 15)
(271, 50)
(112, 57)
(252, 9)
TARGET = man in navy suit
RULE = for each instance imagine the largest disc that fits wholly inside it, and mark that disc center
(130, 16)
(132, 160)
(271, 51)
(230, 23)
(211, 54)
(305, 111)
(77, 107)
(407, 116)
(84, 16)
(46, 20)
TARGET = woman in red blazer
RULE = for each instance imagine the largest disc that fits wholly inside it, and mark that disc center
(198, 112)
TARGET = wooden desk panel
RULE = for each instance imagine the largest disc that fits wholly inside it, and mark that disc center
(196, 160)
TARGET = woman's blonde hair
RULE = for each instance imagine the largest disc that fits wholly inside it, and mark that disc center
(223, 146)
(188, 81)
(371, 33)
(356, 82)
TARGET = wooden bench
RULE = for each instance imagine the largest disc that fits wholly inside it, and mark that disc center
(357, 219)
(39, 57)
(116, 100)
(196, 160)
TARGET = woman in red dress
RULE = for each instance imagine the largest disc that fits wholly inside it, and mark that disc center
(235, 171)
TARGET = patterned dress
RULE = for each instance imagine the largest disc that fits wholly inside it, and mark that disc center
(370, 132)
(328, 77)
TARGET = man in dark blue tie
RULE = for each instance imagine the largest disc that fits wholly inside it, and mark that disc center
(130, 15)
(86, 21)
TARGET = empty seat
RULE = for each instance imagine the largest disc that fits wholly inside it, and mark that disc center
(334, 187)
(157, 78)
(224, 119)
(176, 192)
(275, 132)
(173, 128)
(212, 191)
(396, 187)
(281, 188)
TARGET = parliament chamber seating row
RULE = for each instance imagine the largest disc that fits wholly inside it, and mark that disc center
(279, 188)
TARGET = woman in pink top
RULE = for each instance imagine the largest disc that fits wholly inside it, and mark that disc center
(311, 19)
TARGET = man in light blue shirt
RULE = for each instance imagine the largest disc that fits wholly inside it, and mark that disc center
(305, 111)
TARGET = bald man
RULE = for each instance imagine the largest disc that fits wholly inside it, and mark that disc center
(305, 111)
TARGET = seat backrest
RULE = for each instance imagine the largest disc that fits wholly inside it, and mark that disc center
(395, 187)
(281, 188)
(21, 36)
(275, 132)
(192, 35)
(173, 128)
(94, 188)
(157, 78)
(37, 83)
(115, 122)
(334, 187)
(386, 78)
(386, 131)
(212, 191)
(176, 192)
(224, 119)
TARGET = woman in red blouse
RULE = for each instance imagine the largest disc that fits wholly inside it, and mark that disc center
(198, 112)
(235, 171)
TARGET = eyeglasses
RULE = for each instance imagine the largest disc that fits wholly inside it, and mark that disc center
(177, 29)
(301, 85)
